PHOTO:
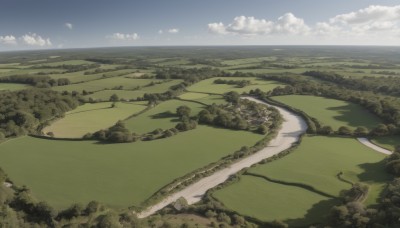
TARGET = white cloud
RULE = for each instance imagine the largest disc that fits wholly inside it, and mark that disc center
(33, 39)
(173, 30)
(122, 36)
(286, 24)
(370, 14)
(160, 31)
(69, 26)
(10, 39)
(217, 28)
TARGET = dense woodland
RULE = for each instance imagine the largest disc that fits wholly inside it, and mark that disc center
(22, 112)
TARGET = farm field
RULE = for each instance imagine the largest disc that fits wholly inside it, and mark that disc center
(90, 118)
(319, 159)
(267, 201)
(316, 162)
(203, 98)
(331, 112)
(104, 95)
(119, 175)
(208, 85)
(12, 86)
(161, 116)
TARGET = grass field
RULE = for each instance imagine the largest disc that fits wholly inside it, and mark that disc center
(334, 113)
(319, 159)
(316, 162)
(203, 98)
(161, 116)
(208, 86)
(92, 117)
(256, 197)
(12, 86)
(133, 94)
(388, 142)
(119, 175)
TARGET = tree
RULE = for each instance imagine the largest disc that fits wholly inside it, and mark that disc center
(343, 130)
(361, 131)
(380, 130)
(262, 129)
(326, 130)
(114, 98)
(232, 97)
(183, 111)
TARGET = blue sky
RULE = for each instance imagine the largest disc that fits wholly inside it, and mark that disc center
(36, 24)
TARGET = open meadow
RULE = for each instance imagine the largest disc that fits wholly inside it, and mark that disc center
(118, 175)
(316, 163)
(331, 112)
(90, 118)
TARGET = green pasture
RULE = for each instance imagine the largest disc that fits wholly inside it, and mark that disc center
(90, 118)
(118, 175)
(161, 116)
(203, 98)
(133, 94)
(267, 201)
(331, 112)
(208, 85)
(13, 86)
(318, 160)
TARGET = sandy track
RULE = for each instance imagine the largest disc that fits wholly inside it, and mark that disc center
(369, 144)
(292, 127)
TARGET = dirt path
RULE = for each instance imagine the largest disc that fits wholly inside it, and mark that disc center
(292, 128)
(369, 144)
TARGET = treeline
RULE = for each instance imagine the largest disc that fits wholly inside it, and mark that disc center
(69, 68)
(238, 83)
(40, 81)
(383, 85)
(23, 111)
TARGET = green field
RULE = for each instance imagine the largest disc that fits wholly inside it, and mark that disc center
(119, 175)
(133, 94)
(208, 85)
(256, 197)
(203, 98)
(388, 142)
(331, 112)
(92, 117)
(316, 162)
(161, 116)
(13, 86)
(319, 159)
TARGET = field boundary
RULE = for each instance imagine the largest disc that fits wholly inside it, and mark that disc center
(293, 184)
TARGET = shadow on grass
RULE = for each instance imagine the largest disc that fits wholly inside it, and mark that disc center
(166, 114)
(353, 115)
(316, 214)
(374, 172)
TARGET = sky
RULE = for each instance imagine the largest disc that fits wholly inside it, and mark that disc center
(52, 24)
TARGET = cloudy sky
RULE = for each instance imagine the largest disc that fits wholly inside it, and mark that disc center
(50, 24)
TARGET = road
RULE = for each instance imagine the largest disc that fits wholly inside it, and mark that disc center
(292, 127)
(366, 142)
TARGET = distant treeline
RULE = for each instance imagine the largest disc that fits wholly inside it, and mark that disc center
(40, 81)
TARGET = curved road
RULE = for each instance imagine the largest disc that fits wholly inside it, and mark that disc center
(292, 127)
(369, 144)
